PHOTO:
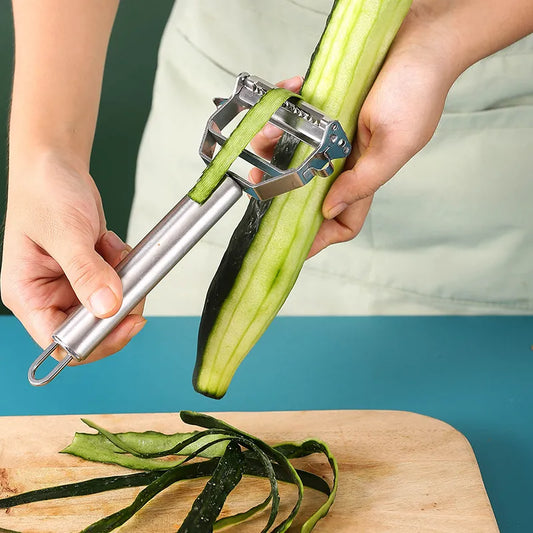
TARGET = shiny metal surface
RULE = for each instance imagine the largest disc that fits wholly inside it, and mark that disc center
(301, 120)
(143, 268)
(53, 373)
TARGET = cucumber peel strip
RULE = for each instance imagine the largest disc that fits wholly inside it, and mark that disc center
(111, 522)
(81, 488)
(139, 479)
(96, 447)
(202, 420)
(171, 476)
(258, 459)
(250, 125)
(209, 503)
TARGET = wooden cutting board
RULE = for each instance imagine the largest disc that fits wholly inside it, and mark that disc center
(399, 472)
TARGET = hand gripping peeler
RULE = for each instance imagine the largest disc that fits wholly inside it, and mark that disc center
(168, 242)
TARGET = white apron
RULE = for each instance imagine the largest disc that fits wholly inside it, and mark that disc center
(451, 233)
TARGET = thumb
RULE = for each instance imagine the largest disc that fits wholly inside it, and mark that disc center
(95, 283)
(383, 157)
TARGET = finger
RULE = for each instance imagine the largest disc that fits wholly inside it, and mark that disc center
(255, 175)
(41, 323)
(112, 248)
(265, 141)
(118, 338)
(130, 325)
(95, 282)
(31, 278)
(385, 155)
(343, 228)
(293, 84)
(48, 320)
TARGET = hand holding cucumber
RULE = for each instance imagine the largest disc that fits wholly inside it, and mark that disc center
(435, 44)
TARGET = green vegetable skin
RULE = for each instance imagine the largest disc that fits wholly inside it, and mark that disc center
(241, 454)
(271, 243)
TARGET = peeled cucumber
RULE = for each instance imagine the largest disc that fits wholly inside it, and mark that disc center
(270, 244)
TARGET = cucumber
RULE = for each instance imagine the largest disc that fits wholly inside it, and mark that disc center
(270, 244)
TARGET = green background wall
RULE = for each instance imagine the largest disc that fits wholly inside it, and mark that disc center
(126, 98)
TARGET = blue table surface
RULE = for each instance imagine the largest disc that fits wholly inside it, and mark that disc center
(474, 373)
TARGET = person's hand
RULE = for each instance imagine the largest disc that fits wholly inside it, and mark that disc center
(58, 253)
(399, 116)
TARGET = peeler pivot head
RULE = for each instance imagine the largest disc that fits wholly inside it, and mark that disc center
(297, 118)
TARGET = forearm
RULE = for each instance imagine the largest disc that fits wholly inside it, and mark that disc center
(465, 31)
(486, 26)
(60, 50)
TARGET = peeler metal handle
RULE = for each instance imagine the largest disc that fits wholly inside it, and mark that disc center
(140, 272)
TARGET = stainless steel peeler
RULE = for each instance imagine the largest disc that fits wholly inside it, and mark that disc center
(163, 247)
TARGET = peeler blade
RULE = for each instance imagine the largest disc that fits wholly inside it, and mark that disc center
(300, 120)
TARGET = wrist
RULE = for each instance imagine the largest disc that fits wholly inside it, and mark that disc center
(33, 137)
(430, 36)
(32, 162)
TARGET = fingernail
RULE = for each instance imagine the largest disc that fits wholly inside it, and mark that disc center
(114, 240)
(136, 328)
(336, 210)
(271, 132)
(125, 252)
(102, 301)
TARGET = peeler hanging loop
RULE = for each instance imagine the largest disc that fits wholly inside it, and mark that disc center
(40, 360)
